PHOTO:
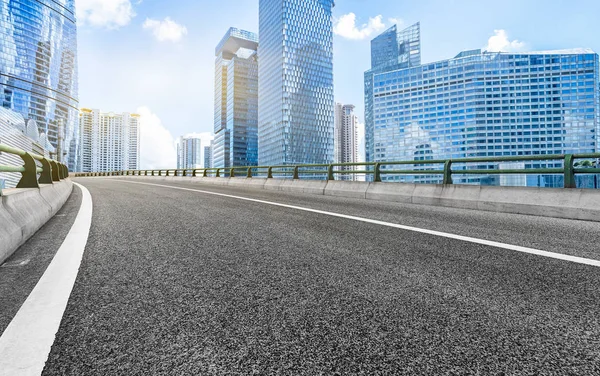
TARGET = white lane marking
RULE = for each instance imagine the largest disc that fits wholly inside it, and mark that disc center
(558, 256)
(26, 342)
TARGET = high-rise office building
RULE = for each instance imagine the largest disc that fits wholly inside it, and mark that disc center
(296, 106)
(189, 152)
(109, 141)
(489, 104)
(390, 51)
(208, 151)
(346, 138)
(236, 100)
(38, 66)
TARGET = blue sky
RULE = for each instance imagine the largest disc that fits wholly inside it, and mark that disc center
(157, 56)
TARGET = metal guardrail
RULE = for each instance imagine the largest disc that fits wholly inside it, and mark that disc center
(447, 169)
(49, 170)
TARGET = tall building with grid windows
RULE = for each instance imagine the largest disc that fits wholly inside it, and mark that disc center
(392, 50)
(208, 151)
(236, 100)
(489, 104)
(38, 69)
(346, 139)
(109, 142)
(189, 152)
(296, 105)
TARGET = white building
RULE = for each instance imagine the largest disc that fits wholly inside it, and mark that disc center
(189, 152)
(346, 141)
(108, 141)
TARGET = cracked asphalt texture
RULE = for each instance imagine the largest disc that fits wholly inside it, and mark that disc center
(184, 283)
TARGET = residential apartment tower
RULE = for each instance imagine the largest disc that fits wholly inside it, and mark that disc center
(109, 141)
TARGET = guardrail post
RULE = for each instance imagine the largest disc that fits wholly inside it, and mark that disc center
(296, 173)
(55, 176)
(270, 173)
(205, 173)
(193, 173)
(330, 175)
(377, 173)
(570, 181)
(29, 177)
(185, 173)
(249, 174)
(218, 173)
(232, 173)
(448, 172)
(46, 175)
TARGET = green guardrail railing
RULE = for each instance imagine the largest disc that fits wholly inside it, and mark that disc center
(447, 169)
(36, 169)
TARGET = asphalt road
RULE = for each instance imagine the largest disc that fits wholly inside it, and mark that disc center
(184, 283)
(21, 272)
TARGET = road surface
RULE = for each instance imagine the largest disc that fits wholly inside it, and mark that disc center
(184, 282)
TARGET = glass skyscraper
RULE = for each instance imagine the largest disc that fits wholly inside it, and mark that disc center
(38, 69)
(236, 100)
(488, 104)
(296, 105)
(390, 51)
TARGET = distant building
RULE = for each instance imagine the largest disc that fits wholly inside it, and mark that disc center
(108, 141)
(38, 69)
(189, 152)
(296, 116)
(480, 104)
(346, 138)
(21, 134)
(236, 100)
(208, 151)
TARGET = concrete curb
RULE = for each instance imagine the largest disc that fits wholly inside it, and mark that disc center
(350, 189)
(580, 204)
(24, 211)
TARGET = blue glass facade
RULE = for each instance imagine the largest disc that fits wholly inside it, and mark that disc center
(296, 105)
(38, 68)
(390, 51)
(483, 104)
(236, 100)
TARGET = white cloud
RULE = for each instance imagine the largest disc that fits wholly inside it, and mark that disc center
(396, 21)
(499, 42)
(346, 27)
(111, 14)
(166, 30)
(157, 145)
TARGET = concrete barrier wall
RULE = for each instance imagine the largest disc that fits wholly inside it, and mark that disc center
(582, 204)
(24, 211)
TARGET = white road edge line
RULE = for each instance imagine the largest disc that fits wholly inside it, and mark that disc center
(26, 342)
(558, 256)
